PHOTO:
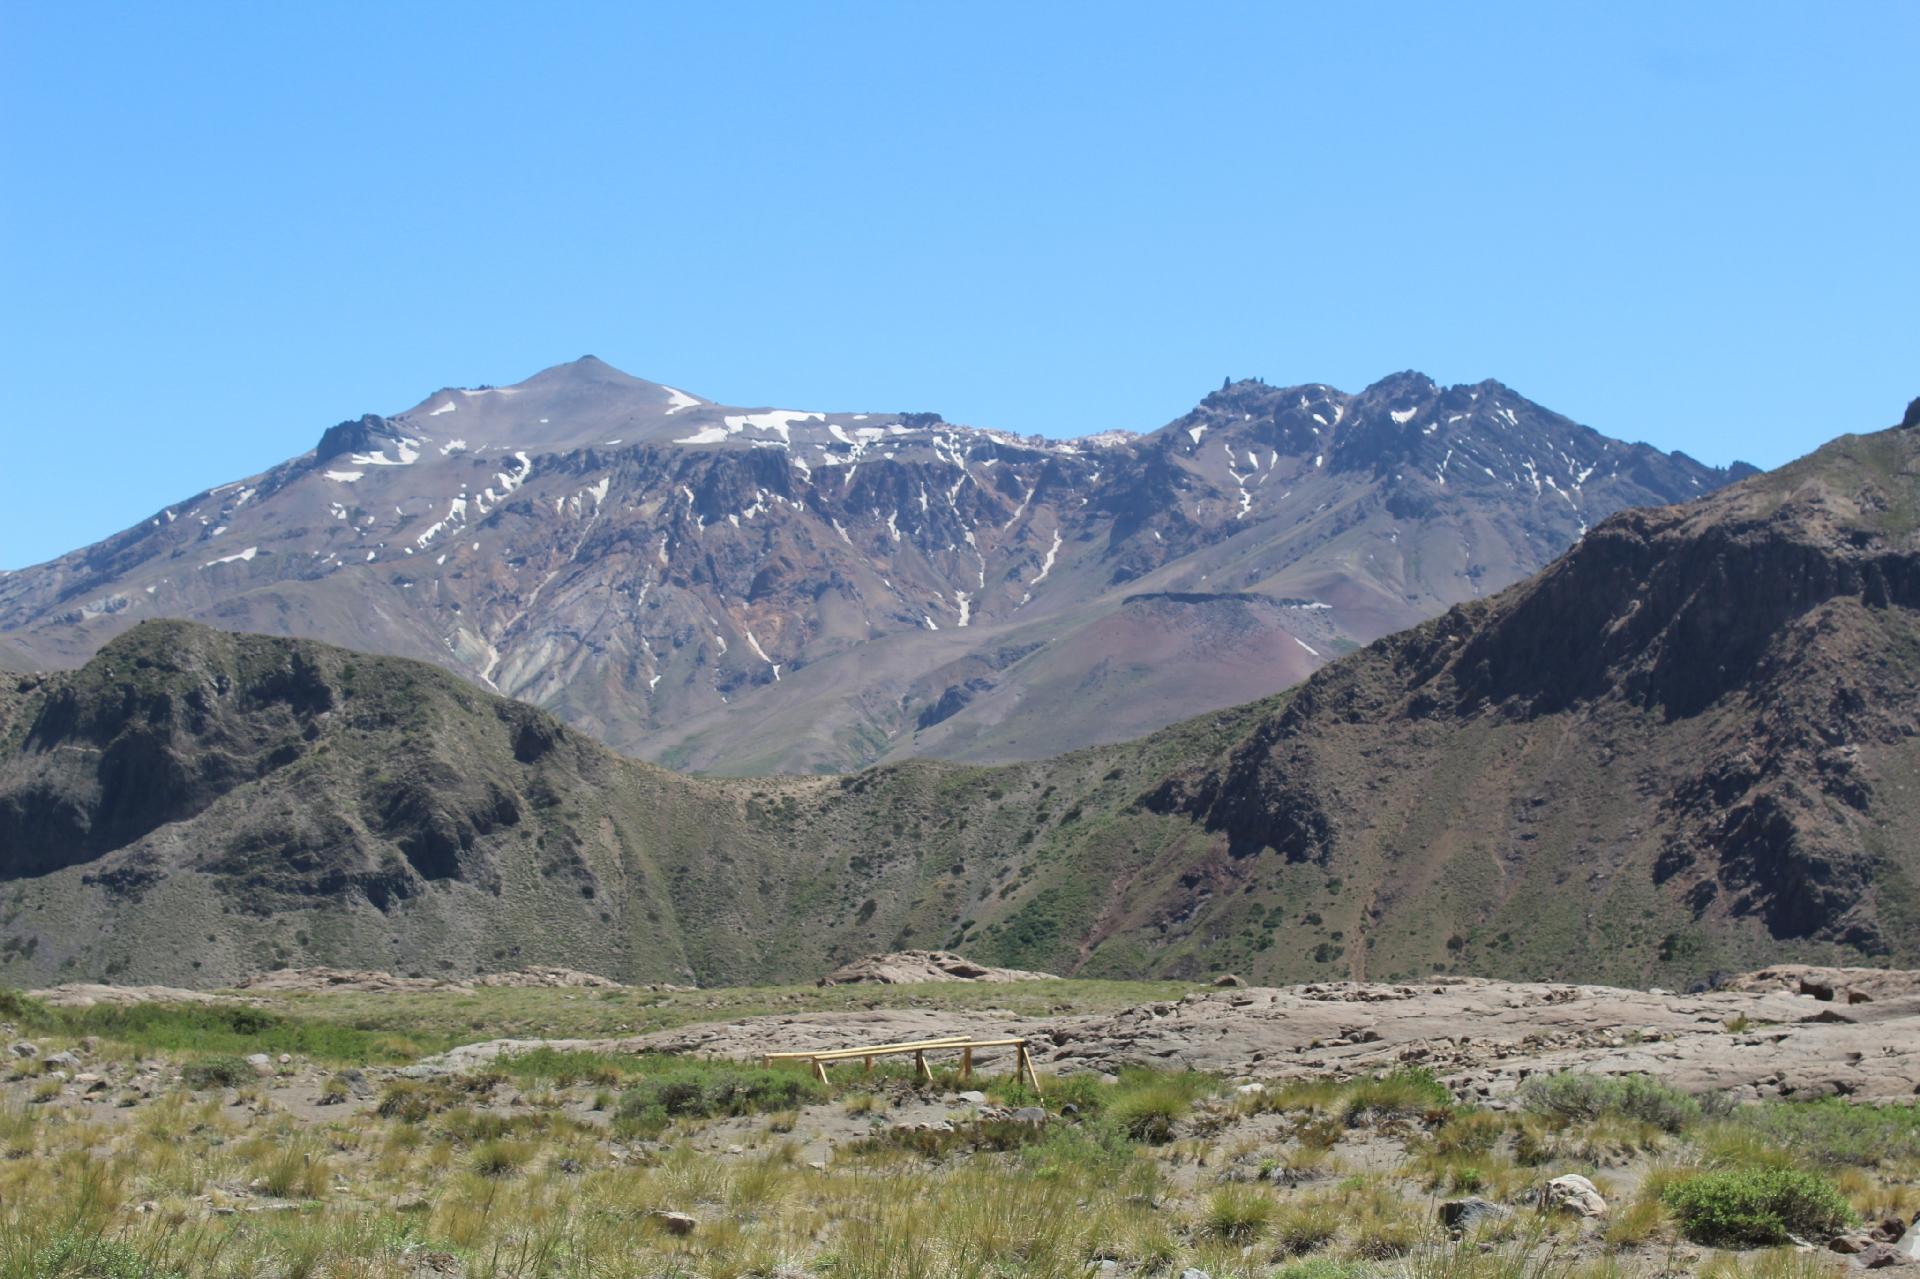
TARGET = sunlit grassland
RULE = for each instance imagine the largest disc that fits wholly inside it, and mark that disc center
(571, 1164)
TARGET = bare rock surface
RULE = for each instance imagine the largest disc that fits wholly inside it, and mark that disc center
(1831, 985)
(309, 980)
(1484, 1036)
(902, 967)
(1481, 1036)
(89, 994)
(752, 1036)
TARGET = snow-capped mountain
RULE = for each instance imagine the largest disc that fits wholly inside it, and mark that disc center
(768, 589)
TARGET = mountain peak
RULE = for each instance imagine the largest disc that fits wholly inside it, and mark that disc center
(1405, 382)
(589, 369)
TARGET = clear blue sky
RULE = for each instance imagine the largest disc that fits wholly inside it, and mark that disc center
(224, 227)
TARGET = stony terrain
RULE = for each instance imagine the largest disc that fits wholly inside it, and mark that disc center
(1580, 1132)
(758, 591)
(1760, 1037)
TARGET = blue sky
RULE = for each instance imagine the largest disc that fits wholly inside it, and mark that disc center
(224, 227)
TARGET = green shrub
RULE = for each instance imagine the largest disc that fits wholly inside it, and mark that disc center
(1836, 1132)
(500, 1158)
(217, 1072)
(1306, 1227)
(412, 1102)
(1639, 1098)
(1321, 1268)
(15, 1006)
(81, 1256)
(1756, 1207)
(700, 1090)
(1148, 1114)
(562, 1069)
(1467, 1132)
(1237, 1214)
(935, 1143)
(1405, 1092)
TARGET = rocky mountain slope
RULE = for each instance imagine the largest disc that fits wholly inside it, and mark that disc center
(1687, 747)
(1711, 707)
(762, 590)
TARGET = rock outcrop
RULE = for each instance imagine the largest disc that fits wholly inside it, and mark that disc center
(902, 967)
(1481, 1037)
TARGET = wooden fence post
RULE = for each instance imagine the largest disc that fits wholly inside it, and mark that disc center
(1025, 1067)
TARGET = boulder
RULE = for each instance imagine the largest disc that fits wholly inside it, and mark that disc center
(25, 1049)
(261, 1063)
(1229, 979)
(1575, 1194)
(1881, 1256)
(1464, 1214)
(62, 1061)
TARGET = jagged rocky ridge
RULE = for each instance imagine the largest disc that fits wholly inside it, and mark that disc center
(754, 591)
(1686, 747)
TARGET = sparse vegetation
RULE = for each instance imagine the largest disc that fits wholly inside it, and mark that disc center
(1634, 1098)
(568, 1165)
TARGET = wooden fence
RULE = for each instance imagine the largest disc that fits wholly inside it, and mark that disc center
(963, 1044)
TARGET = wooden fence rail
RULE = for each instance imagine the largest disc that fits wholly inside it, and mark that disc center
(964, 1044)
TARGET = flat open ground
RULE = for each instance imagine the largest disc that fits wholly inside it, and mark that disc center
(1313, 1132)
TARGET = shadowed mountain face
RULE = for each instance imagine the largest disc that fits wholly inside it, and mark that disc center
(751, 591)
(1687, 746)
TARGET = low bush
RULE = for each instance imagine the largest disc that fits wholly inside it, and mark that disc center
(498, 1158)
(1301, 1228)
(1756, 1207)
(1148, 1114)
(1637, 1098)
(86, 1256)
(960, 1138)
(294, 1172)
(563, 1069)
(217, 1072)
(1836, 1132)
(1146, 1104)
(1239, 1214)
(412, 1102)
(688, 1089)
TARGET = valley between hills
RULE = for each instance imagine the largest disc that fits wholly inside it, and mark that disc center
(1683, 748)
